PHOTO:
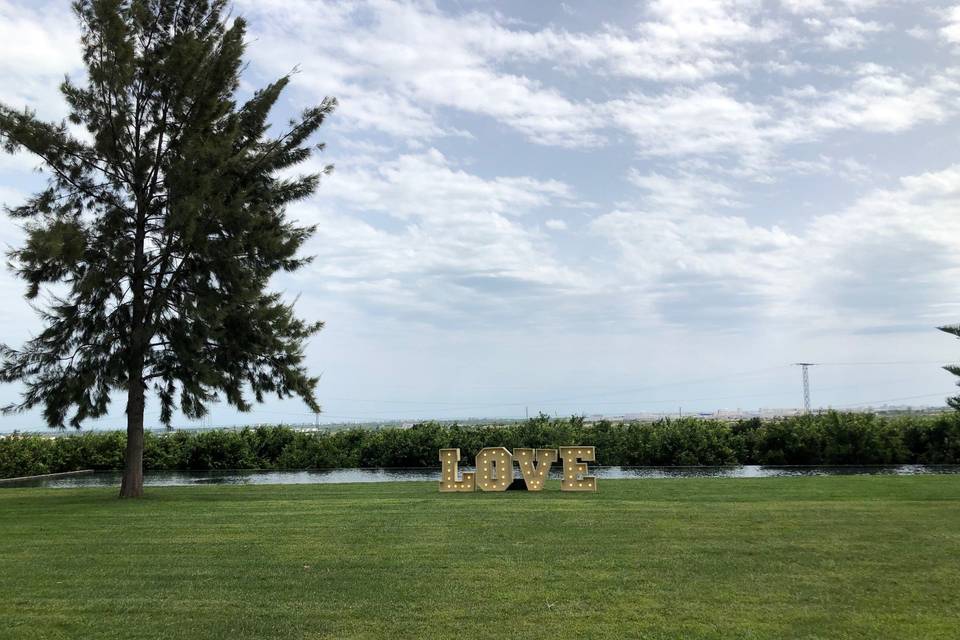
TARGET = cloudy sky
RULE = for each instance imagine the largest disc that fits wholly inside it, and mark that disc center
(584, 207)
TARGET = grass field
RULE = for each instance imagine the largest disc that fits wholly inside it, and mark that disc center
(824, 557)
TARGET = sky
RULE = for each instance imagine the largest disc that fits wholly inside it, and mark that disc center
(593, 207)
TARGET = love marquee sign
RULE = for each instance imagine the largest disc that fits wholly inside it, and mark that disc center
(495, 469)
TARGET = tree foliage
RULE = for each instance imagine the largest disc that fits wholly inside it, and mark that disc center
(162, 222)
(953, 330)
(149, 253)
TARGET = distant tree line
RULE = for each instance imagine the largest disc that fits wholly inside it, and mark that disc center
(827, 439)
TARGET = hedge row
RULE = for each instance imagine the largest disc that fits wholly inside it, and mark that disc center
(827, 439)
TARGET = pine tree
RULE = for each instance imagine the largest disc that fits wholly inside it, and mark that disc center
(953, 330)
(160, 227)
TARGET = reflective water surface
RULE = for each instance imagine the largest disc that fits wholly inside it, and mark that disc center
(336, 476)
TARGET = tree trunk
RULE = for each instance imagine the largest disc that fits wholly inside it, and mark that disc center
(132, 484)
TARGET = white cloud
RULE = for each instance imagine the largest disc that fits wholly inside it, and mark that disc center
(657, 244)
(38, 45)
(831, 7)
(686, 193)
(849, 169)
(892, 255)
(673, 245)
(837, 22)
(894, 250)
(390, 113)
(427, 186)
(704, 120)
(920, 33)
(10, 232)
(785, 66)
(692, 40)
(421, 59)
(459, 246)
(677, 42)
(543, 115)
(712, 120)
(410, 70)
(877, 100)
(850, 33)
(951, 29)
(19, 162)
(555, 225)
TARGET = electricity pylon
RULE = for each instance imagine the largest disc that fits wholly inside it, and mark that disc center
(805, 368)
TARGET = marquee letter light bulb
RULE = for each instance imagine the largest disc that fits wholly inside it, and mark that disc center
(449, 461)
(574, 471)
(535, 466)
(494, 469)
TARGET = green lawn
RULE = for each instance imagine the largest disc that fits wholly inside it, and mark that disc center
(841, 557)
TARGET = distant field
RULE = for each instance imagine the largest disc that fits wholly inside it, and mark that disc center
(826, 557)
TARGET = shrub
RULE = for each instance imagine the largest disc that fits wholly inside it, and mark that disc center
(831, 438)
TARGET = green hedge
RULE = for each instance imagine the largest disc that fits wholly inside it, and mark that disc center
(827, 439)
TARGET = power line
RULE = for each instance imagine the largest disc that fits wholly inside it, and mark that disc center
(567, 399)
(635, 402)
(421, 409)
(873, 402)
(892, 362)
